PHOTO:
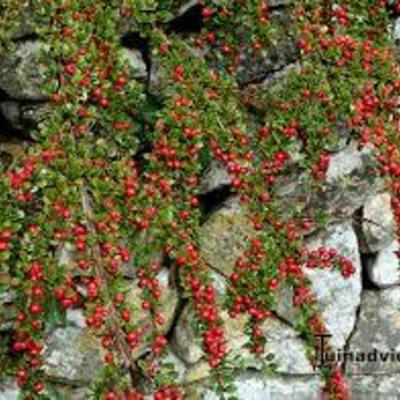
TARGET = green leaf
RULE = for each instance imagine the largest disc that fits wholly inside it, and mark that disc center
(55, 315)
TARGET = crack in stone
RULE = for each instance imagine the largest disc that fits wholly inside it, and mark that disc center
(365, 283)
(133, 40)
(214, 200)
(365, 258)
(273, 75)
(188, 21)
(346, 347)
(26, 37)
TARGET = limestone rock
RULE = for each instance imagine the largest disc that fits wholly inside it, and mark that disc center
(219, 283)
(290, 356)
(64, 392)
(278, 3)
(9, 390)
(23, 116)
(281, 51)
(182, 6)
(135, 60)
(375, 387)
(65, 254)
(179, 366)
(396, 30)
(168, 301)
(24, 20)
(214, 178)
(378, 222)
(8, 310)
(158, 79)
(72, 354)
(378, 328)
(223, 237)
(348, 187)
(76, 318)
(20, 74)
(339, 297)
(344, 163)
(283, 343)
(384, 270)
(198, 372)
(185, 343)
(255, 386)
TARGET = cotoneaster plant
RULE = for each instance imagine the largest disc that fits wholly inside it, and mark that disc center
(82, 183)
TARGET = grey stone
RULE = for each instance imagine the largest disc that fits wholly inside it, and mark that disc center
(161, 83)
(20, 74)
(375, 387)
(8, 311)
(348, 189)
(384, 270)
(168, 306)
(72, 354)
(338, 297)
(280, 52)
(179, 367)
(219, 283)
(221, 242)
(23, 116)
(197, 373)
(223, 237)
(377, 328)
(215, 177)
(9, 390)
(12, 113)
(276, 77)
(183, 6)
(135, 60)
(256, 386)
(378, 222)
(22, 20)
(277, 3)
(150, 247)
(65, 254)
(65, 392)
(187, 343)
(283, 342)
(169, 299)
(158, 80)
(284, 304)
(341, 138)
(396, 29)
(76, 318)
(126, 24)
(345, 162)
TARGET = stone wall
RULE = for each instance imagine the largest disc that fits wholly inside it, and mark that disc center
(362, 313)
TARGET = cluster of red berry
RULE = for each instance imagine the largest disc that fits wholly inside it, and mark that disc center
(88, 192)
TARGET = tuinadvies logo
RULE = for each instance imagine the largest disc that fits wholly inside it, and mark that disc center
(326, 358)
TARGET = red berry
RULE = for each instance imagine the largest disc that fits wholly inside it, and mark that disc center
(111, 396)
(126, 315)
(206, 12)
(70, 69)
(35, 308)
